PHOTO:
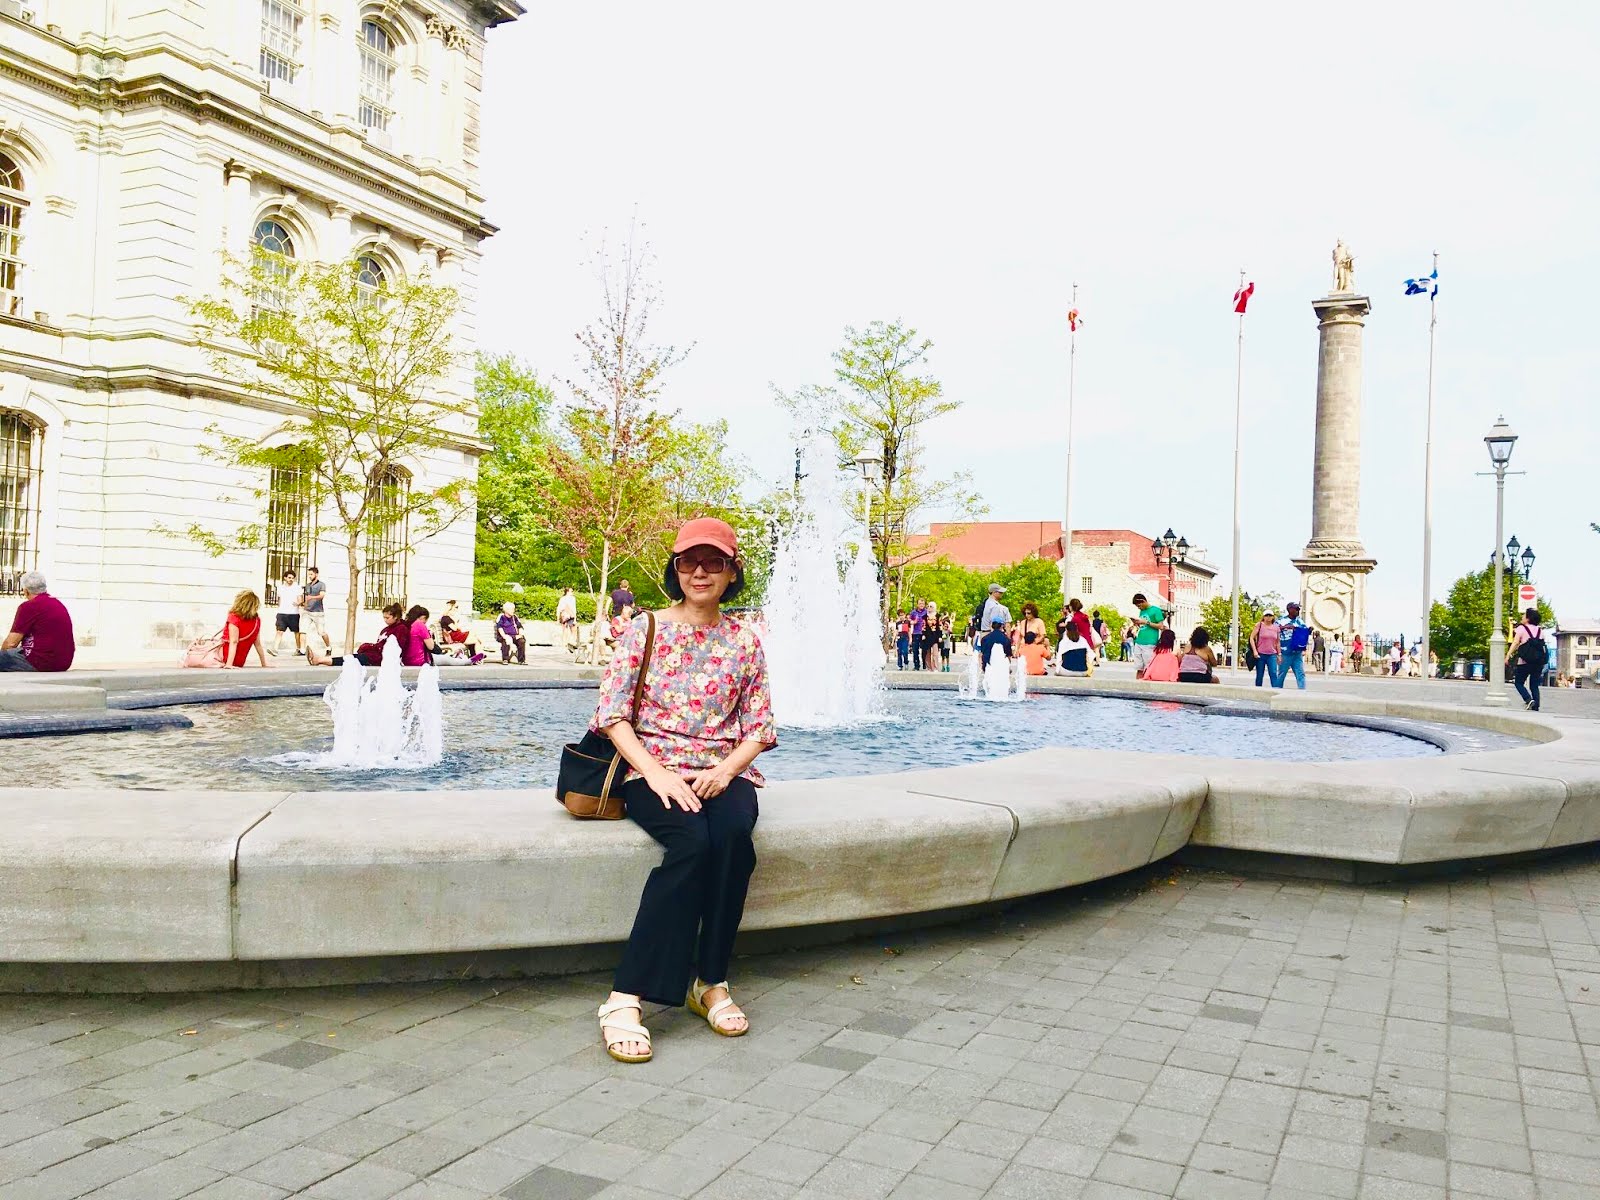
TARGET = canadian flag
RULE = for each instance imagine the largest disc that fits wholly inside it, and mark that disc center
(1242, 297)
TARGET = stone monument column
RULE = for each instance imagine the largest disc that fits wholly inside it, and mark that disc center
(1334, 565)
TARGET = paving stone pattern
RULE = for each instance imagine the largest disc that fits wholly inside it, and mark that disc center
(1174, 1033)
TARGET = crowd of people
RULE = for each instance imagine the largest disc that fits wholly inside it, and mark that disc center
(924, 639)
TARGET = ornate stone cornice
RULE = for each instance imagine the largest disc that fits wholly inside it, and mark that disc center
(453, 36)
(107, 94)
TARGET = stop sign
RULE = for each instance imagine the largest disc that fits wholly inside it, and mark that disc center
(1527, 597)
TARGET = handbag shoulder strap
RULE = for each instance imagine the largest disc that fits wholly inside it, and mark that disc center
(644, 665)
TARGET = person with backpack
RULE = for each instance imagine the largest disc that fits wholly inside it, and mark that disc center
(1294, 635)
(1527, 658)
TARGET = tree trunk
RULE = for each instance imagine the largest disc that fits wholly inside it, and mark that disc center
(884, 626)
(605, 575)
(353, 605)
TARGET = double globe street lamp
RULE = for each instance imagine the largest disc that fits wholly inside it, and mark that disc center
(1170, 550)
(1513, 557)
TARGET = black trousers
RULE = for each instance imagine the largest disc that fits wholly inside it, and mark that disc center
(1522, 674)
(693, 902)
(521, 643)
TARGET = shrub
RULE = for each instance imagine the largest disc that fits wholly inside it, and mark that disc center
(534, 603)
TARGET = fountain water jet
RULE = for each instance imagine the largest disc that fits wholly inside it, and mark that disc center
(1001, 680)
(378, 723)
(823, 635)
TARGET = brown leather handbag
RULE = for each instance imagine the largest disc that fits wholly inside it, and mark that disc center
(589, 782)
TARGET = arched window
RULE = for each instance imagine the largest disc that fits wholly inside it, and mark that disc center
(291, 526)
(13, 207)
(387, 534)
(378, 68)
(371, 275)
(21, 442)
(273, 237)
(280, 39)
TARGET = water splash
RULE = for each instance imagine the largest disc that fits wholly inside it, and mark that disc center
(823, 636)
(378, 723)
(1003, 680)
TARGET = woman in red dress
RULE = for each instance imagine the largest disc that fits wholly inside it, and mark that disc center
(243, 631)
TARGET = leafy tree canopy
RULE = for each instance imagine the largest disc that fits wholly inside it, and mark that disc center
(1460, 627)
(363, 376)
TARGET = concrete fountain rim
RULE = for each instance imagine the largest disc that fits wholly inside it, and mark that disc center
(263, 889)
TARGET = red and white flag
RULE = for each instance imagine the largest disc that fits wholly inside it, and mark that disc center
(1242, 297)
(1073, 320)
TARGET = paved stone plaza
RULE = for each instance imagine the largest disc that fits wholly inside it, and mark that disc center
(1171, 1033)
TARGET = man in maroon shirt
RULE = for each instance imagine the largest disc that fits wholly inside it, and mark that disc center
(41, 634)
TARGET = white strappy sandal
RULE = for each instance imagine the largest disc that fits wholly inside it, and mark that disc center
(696, 1003)
(635, 1033)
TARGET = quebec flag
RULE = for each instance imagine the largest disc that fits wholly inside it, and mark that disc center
(1421, 285)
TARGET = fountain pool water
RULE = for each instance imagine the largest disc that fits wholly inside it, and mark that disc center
(823, 632)
(377, 723)
(512, 738)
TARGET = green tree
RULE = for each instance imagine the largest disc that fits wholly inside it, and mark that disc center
(514, 408)
(606, 494)
(883, 407)
(360, 375)
(1035, 579)
(1460, 627)
(955, 589)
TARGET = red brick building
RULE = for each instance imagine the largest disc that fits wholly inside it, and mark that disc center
(1110, 564)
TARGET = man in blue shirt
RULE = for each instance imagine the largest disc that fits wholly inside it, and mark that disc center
(995, 639)
(1294, 635)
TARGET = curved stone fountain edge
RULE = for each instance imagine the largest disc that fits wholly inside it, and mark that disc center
(215, 877)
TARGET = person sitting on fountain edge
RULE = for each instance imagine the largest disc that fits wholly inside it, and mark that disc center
(1163, 666)
(995, 638)
(704, 715)
(1074, 652)
(370, 654)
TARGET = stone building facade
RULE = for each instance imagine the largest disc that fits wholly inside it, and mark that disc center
(1578, 650)
(139, 139)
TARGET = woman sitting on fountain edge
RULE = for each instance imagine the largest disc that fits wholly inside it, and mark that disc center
(704, 716)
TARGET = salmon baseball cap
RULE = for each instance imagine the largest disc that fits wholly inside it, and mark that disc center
(707, 531)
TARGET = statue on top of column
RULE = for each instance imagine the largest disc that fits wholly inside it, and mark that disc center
(1344, 268)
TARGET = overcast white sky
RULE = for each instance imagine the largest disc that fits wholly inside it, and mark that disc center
(958, 166)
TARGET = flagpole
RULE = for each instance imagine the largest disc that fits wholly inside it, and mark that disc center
(1427, 481)
(1066, 512)
(1238, 424)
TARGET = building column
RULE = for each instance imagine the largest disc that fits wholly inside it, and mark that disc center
(341, 234)
(1334, 565)
(211, 211)
(46, 293)
(238, 205)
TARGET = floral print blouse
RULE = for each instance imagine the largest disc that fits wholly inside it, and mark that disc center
(706, 692)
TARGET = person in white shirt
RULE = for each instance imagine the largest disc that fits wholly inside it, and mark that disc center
(288, 618)
(567, 618)
(1336, 655)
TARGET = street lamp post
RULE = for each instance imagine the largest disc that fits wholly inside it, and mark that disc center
(871, 468)
(1500, 441)
(1170, 550)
